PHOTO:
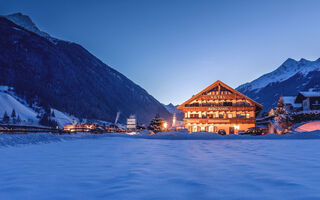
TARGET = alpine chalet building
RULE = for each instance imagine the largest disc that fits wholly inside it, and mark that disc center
(219, 107)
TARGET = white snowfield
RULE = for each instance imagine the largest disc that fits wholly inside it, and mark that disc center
(63, 118)
(50, 167)
(28, 115)
(8, 103)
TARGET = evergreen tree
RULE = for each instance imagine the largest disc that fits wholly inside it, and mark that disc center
(18, 120)
(157, 124)
(46, 120)
(5, 118)
(282, 118)
(53, 114)
(13, 114)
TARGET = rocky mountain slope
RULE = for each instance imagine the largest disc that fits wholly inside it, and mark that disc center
(288, 79)
(65, 76)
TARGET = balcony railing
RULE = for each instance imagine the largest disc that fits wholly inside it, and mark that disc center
(221, 120)
(218, 104)
(217, 118)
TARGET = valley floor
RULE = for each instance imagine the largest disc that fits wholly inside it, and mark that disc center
(45, 166)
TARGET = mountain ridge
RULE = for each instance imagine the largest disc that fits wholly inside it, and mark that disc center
(67, 77)
(287, 69)
(289, 78)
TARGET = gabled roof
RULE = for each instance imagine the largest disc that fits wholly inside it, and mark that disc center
(215, 84)
(303, 95)
(310, 94)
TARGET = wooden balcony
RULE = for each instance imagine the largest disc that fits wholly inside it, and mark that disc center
(221, 120)
(220, 108)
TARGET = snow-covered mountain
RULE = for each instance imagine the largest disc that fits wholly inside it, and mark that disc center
(25, 22)
(65, 76)
(288, 79)
(173, 109)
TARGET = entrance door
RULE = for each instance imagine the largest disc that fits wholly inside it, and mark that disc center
(194, 129)
(231, 130)
(211, 129)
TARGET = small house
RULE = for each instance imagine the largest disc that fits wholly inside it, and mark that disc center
(309, 100)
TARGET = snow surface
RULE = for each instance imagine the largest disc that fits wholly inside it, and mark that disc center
(308, 126)
(46, 166)
(63, 118)
(8, 103)
(288, 69)
(27, 114)
(290, 100)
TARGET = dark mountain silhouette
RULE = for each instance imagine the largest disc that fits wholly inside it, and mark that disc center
(65, 76)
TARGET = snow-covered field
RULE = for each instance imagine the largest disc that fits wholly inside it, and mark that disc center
(8, 103)
(164, 166)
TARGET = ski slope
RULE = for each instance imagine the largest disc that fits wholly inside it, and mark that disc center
(8, 103)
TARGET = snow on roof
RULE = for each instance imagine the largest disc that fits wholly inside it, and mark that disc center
(310, 94)
(290, 100)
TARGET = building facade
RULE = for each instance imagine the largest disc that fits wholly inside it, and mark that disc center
(309, 100)
(219, 107)
(131, 122)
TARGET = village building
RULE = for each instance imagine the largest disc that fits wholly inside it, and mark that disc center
(219, 108)
(309, 100)
(131, 122)
(80, 127)
(176, 124)
(289, 103)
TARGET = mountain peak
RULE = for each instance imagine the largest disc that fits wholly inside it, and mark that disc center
(288, 69)
(289, 61)
(303, 60)
(26, 22)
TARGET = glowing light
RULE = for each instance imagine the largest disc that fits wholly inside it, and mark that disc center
(237, 127)
(165, 125)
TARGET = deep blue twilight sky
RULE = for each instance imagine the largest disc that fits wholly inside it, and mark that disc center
(174, 49)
